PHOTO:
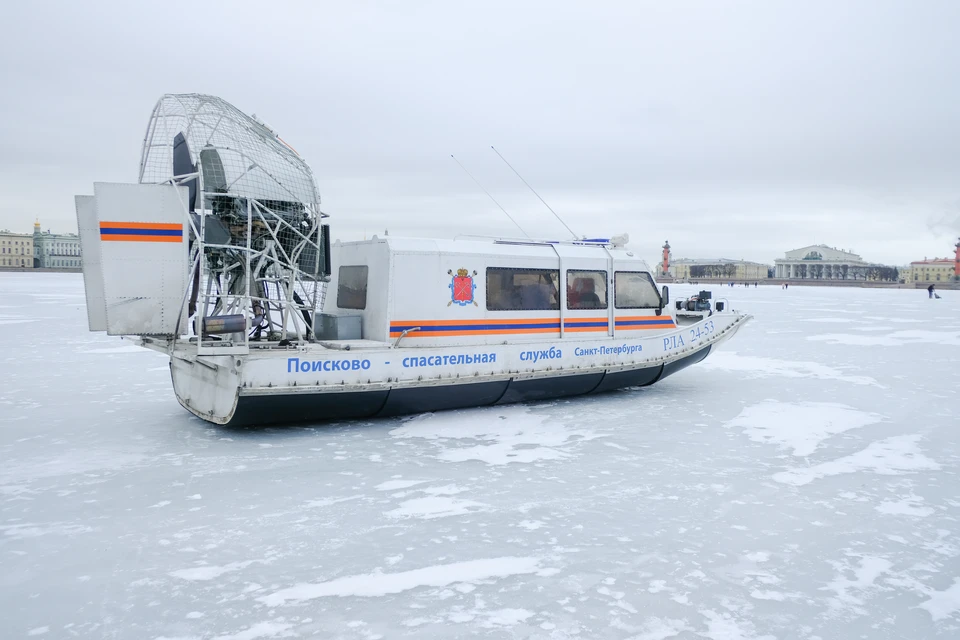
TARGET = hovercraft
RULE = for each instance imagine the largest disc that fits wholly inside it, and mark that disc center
(221, 258)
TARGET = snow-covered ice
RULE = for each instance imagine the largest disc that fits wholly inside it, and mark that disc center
(802, 482)
(800, 426)
(891, 456)
(380, 584)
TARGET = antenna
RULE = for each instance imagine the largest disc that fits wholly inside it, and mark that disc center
(490, 196)
(575, 236)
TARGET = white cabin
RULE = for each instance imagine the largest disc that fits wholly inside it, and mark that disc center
(474, 292)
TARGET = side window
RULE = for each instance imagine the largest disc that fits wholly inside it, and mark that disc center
(352, 287)
(586, 289)
(635, 290)
(522, 289)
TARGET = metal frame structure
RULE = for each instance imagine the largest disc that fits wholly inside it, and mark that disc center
(258, 249)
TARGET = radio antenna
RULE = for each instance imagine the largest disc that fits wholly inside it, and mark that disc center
(575, 236)
(490, 196)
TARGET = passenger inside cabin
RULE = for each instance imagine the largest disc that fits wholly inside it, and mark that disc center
(507, 294)
(583, 294)
(521, 289)
(536, 296)
(549, 293)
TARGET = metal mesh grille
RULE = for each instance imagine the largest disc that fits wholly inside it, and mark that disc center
(255, 221)
(254, 161)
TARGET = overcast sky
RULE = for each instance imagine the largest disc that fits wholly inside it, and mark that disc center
(733, 129)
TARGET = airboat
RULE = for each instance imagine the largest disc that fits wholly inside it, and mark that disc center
(221, 258)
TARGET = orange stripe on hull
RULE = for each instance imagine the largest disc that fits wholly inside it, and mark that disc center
(503, 332)
(488, 321)
(649, 326)
(159, 226)
(460, 323)
(122, 238)
(472, 332)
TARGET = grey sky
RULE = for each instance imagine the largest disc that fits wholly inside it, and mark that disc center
(741, 129)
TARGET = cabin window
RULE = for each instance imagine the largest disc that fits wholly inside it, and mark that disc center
(352, 287)
(586, 289)
(635, 290)
(522, 289)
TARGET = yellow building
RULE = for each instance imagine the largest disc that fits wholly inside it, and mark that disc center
(719, 268)
(931, 271)
(16, 250)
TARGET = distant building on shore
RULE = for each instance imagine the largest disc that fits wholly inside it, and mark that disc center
(931, 271)
(935, 270)
(820, 262)
(16, 250)
(718, 268)
(55, 250)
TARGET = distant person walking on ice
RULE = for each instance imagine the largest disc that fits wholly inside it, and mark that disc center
(930, 291)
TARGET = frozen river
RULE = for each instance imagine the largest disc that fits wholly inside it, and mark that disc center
(802, 482)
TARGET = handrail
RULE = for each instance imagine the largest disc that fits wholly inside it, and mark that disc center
(404, 335)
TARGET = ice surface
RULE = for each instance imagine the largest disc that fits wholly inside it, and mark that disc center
(393, 485)
(380, 584)
(907, 507)
(515, 436)
(434, 507)
(895, 339)
(892, 456)
(800, 426)
(943, 604)
(208, 572)
(759, 367)
(802, 482)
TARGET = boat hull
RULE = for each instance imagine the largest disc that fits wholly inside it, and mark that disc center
(289, 387)
(316, 407)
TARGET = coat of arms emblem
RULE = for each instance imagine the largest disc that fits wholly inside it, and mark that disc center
(462, 288)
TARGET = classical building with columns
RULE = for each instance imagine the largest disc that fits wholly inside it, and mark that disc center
(820, 262)
(718, 268)
(56, 250)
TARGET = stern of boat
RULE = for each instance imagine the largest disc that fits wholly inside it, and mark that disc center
(207, 387)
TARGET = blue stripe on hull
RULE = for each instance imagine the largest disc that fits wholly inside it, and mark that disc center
(643, 323)
(476, 327)
(117, 231)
